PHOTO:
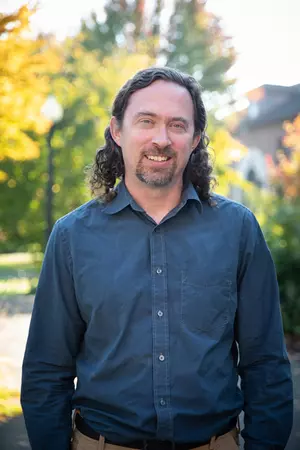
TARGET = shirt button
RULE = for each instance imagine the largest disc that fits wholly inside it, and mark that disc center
(161, 357)
(160, 313)
(159, 270)
(162, 402)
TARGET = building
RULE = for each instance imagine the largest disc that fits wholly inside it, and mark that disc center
(260, 128)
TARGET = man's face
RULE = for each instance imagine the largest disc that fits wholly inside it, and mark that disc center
(157, 134)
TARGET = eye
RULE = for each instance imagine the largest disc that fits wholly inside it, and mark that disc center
(146, 123)
(178, 126)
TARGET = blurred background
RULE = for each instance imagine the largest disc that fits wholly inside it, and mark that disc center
(61, 64)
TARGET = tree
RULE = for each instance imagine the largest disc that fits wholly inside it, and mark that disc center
(24, 65)
(221, 146)
(196, 44)
(193, 40)
(286, 173)
(106, 36)
(282, 228)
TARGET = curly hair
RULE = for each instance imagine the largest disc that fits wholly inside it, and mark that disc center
(109, 164)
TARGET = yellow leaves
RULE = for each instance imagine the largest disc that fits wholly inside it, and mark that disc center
(292, 137)
(287, 172)
(229, 178)
(277, 230)
(227, 150)
(15, 144)
(24, 68)
(17, 22)
(3, 176)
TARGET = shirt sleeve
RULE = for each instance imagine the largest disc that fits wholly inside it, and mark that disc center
(264, 366)
(55, 334)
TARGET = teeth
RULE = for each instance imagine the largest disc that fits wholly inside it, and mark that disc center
(157, 158)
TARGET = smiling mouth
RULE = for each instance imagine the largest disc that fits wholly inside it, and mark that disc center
(158, 158)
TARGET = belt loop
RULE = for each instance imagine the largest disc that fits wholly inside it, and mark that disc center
(101, 443)
(211, 444)
(238, 425)
(75, 412)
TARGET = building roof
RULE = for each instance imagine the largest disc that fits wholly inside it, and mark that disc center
(270, 104)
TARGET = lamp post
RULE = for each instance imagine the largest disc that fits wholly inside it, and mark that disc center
(53, 111)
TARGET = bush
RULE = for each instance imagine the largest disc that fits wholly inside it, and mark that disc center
(282, 232)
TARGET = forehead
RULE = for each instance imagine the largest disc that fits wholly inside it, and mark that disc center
(162, 98)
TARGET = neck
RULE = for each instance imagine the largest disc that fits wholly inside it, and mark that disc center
(156, 202)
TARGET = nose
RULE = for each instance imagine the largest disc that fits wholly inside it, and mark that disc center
(161, 138)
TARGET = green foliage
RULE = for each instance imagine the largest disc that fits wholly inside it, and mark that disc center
(105, 35)
(193, 41)
(282, 231)
(197, 45)
(283, 225)
(16, 197)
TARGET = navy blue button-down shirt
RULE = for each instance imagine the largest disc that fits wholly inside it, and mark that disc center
(157, 321)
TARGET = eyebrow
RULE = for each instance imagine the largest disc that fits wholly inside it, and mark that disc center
(172, 119)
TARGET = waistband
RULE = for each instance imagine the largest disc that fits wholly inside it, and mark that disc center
(88, 431)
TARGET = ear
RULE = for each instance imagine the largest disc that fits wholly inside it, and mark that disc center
(196, 141)
(115, 130)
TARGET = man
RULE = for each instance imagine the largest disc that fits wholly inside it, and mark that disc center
(156, 297)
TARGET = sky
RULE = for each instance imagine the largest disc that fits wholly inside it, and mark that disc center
(265, 33)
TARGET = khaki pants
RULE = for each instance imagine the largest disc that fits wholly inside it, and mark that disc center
(228, 441)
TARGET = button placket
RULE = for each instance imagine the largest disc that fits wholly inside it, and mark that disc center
(160, 326)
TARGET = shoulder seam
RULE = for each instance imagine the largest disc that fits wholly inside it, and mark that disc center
(62, 231)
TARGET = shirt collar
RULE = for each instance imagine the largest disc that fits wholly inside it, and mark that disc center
(121, 201)
(124, 199)
(190, 193)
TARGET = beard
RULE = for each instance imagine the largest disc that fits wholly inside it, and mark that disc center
(157, 176)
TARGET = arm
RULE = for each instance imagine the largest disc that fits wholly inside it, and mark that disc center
(264, 366)
(55, 335)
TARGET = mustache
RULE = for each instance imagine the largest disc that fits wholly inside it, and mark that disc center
(166, 152)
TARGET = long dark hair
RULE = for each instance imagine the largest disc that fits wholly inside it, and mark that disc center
(109, 164)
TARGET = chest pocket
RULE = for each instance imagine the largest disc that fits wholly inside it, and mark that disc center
(206, 305)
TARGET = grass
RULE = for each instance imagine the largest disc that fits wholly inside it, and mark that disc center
(9, 403)
(19, 259)
(19, 273)
(15, 286)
